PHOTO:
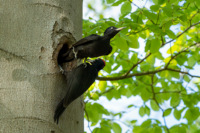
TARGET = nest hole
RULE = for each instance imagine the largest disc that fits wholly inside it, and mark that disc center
(63, 50)
(64, 44)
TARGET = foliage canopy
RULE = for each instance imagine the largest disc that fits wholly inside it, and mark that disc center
(160, 74)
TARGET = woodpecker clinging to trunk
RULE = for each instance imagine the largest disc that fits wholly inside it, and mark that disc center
(78, 81)
(91, 46)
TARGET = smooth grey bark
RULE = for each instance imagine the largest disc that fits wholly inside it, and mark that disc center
(31, 84)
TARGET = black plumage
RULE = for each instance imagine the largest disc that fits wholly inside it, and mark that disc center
(91, 46)
(78, 81)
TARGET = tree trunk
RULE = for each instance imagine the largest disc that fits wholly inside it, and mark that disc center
(31, 84)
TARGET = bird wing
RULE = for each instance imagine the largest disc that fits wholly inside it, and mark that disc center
(87, 39)
(79, 80)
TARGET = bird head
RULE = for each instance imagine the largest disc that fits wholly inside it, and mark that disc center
(99, 63)
(112, 31)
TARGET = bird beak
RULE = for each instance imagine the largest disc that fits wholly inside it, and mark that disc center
(119, 29)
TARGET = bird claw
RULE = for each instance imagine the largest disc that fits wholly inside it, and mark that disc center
(85, 63)
(61, 69)
(75, 53)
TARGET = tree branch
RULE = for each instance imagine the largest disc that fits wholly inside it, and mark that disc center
(128, 75)
(181, 33)
(136, 64)
(154, 98)
(174, 56)
(144, 73)
(106, 91)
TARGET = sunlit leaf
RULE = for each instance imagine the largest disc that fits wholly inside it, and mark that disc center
(175, 100)
(133, 43)
(126, 7)
(102, 85)
(167, 112)
(116, 128)
(110, 1)
(154, 105)
(120, 43)
(177, 114)
(155, 45)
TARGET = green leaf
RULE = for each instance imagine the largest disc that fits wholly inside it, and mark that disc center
(197, 3)
(93, 114)
(105, 126)
(102, 85)
(126, 7)
(97, 130)
(136, 19)
(146, 123)
(147, 110)
(154, 106)
(171, 34)
(167, 112)
(117, 3)
(124, 36)
(161, 2)
(142, 111)
(168, 11)
(191, 61)
(192, 114)
(177, 129)
(186, 78)
(129, 106)
(133, 43)
(94, 96)
(145, 95)
(174, 74)
(155, 8)
(175, 100)
(177, 114)
(148, 45)
(155, 1)
(158, 55)
(155, 45)
(116, 128)
(157, 129)
(150, 15)
(120, 43)
(110, 1)
(133, 121)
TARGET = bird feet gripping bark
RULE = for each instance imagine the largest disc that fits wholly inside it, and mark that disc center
(75, 53)
(61, 69)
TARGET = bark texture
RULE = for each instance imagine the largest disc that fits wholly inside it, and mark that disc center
(31, 84)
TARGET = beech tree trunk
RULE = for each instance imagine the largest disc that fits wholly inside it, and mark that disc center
(31, 84)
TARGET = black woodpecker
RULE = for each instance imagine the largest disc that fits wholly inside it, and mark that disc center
(91, 46)
(78, 81)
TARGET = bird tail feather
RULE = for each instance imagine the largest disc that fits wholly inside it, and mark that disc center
(59, 110)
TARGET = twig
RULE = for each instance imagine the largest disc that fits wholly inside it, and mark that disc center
(193, 16)
(144, 73)
(194, 76)
(174, 56)
(167, 92)
(136, 64)
(181, 33)
(106, 91)
(154, 98)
